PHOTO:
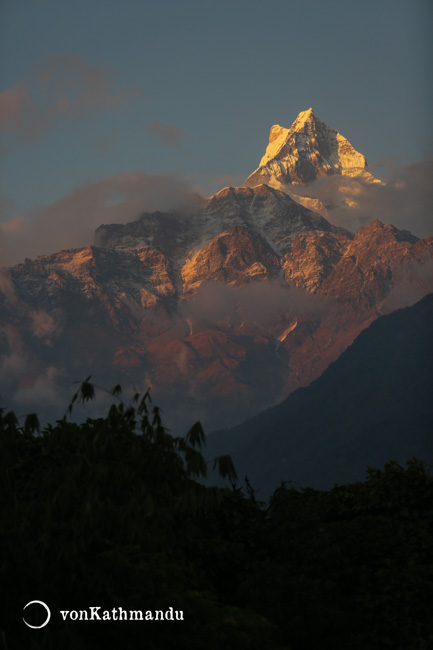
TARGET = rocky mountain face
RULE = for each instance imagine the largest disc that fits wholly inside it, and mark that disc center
(223, 310)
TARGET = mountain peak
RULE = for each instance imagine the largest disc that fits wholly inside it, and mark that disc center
(304, 116)
(378, 229)
(307, 150)
(246, 193)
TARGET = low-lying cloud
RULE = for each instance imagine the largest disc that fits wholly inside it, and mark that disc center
(415, 280)
(405, 200)
(71, 221)
(44, 390)
(209, 185)
(258, 302)
(7, 287)
(43, 325)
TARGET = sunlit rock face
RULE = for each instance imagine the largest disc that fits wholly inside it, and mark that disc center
(234, 257)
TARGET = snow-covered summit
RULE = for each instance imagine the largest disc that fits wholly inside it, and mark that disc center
(307, 150)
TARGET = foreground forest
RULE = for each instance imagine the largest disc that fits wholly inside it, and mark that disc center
(111, 513)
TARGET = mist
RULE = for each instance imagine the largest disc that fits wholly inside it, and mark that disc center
(405, 200)
(260, 303)
(71, 221)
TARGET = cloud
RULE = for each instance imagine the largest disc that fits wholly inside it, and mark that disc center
(13, 103)
(256, 303)
(7, 207)
(207, 186)
(170, 134)
(63, 87)
(14, 360)
(43, 390)
(43, 325)
(405, 200)
(7, 287)
(71, 221)
(414, 281)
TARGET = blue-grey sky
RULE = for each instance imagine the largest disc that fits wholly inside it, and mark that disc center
(187, 90)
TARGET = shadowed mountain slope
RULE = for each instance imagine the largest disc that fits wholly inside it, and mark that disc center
(370, 406)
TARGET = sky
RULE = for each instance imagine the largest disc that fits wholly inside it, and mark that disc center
(111, 107)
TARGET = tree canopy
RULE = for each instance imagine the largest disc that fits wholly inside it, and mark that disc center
(111, 513)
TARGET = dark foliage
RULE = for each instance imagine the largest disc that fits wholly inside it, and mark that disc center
(109, 513)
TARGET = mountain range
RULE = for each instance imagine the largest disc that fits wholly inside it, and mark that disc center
(223, 308)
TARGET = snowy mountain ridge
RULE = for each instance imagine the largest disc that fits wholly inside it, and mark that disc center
(268, 211)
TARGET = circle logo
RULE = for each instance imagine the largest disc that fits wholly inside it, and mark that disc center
(39, 602)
